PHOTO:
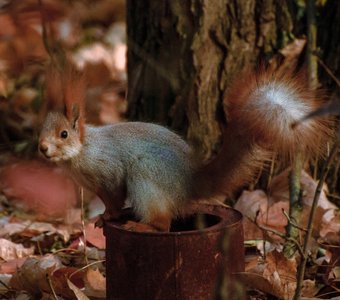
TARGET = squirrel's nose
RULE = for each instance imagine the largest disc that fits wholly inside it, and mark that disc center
(43, 148)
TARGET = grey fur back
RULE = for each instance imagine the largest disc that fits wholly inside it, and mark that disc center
(151, 161)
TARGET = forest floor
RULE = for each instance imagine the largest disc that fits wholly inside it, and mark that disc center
(49, 245)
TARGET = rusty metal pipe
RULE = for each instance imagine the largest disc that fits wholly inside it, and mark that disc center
(182, 264)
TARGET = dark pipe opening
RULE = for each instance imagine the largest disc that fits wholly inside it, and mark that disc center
(194, 222)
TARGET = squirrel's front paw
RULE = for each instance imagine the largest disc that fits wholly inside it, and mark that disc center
(100, 222)
(105, 217)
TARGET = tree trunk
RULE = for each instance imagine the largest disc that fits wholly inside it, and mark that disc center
(182, 55)
(329, 42)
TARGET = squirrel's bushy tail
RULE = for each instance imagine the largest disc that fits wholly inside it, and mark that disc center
(261, 109)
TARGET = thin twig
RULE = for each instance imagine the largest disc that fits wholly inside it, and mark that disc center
(271, 171)
(51, 287)
(295, 206)
(83, 222)
(292, 222)
(282, 235)
(332, 196)
(312, 67)
(315, 170)
(329, 72)
(85, 267)
(39, 248)
(278, 233)
(312, 64)
(4, 284)
(302, 265)
(66, 250)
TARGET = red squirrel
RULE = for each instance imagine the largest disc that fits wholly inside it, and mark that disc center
(154, 168)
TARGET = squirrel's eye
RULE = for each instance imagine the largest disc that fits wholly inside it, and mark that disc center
(64, 134)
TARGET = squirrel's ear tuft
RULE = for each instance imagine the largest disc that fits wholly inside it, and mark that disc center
(75, 115)
(52, 93)
(74, 87)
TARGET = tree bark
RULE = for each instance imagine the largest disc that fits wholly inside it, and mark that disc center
(182, 55)
(329, 42)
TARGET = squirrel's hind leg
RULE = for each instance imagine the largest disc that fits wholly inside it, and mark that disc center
(113, 205)
(151, 204)
(161, 221)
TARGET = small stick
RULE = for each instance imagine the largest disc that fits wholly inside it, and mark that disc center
(85, 267)
(302, 265)
(291, 222)
(329, 72)
(83, 222)
(282, 235)
(295, 206)
(51, 287)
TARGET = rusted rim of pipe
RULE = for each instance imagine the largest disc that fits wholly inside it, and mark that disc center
(229, 218)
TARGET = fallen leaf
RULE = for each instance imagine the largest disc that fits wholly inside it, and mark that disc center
(293, 49)
(256, 281)
(78, 293)
(330, 226)
(33, 229)
(268, 209)
(59, 277)
(309, 288)
(36, 186)
(95, 236)
(10, 251)
(32, 275)
(11, 266)
(95, 284)
(251, 203)
(281, 273)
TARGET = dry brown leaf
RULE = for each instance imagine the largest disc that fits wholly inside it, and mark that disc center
(38, 187)
(281, 273)
(257, 282)
(10, 251)
(255, 204)
(32, 276)
(269, 209)
(291, 54)
(60, 278)
(335, 273)
(95, 236)
(276, 275)
(72, 216)
(77, 292)
(330, 225)
(309, 289)
(293, 49)
(279, 190)
(34, 229)
(95, 284)
(250, 203)
(10, 267)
